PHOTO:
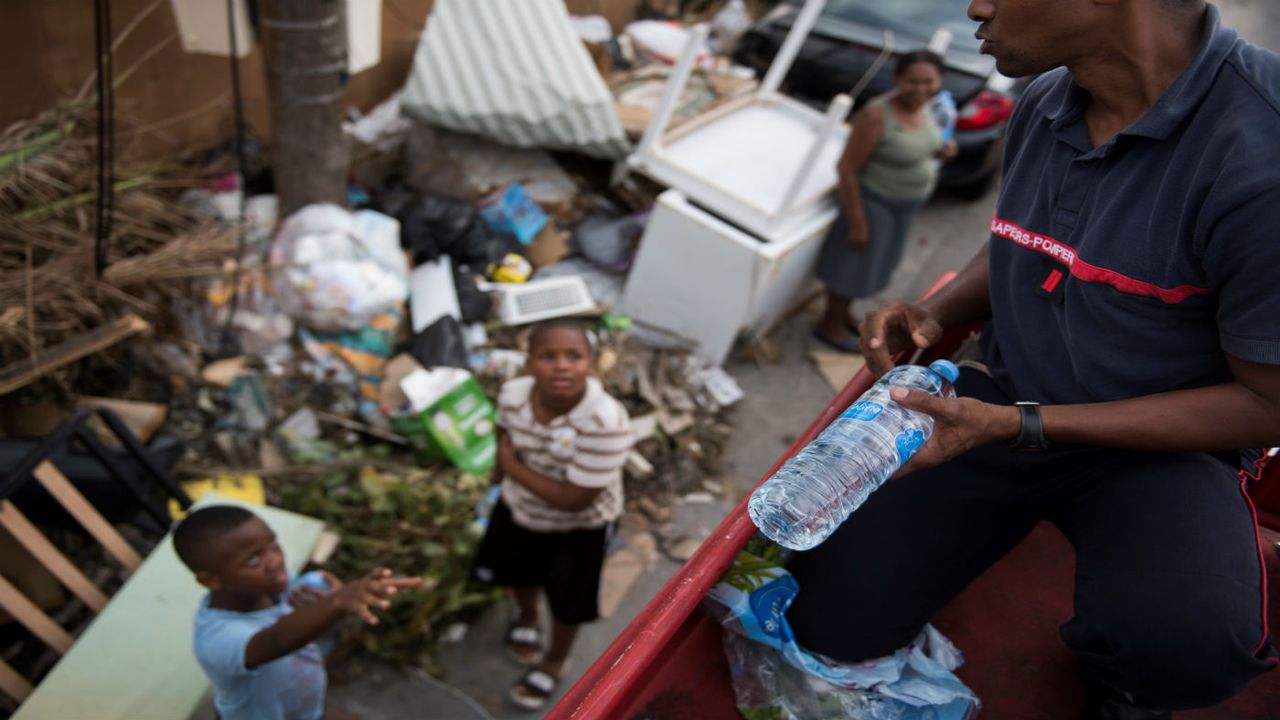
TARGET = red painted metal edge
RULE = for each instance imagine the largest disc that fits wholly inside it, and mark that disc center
(603, 688)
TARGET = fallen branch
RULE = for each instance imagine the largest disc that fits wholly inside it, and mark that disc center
(23, 372)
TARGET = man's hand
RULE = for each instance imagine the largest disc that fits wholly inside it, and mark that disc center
(370, 591)
(893, 328)
(859, 238)
(959, 425)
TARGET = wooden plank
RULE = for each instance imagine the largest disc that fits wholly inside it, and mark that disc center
(13, 684)
(142, 418)
(54, 561)
(74, 503)
(134, 661)
(33, 618)
(325, 545)
(22, 372)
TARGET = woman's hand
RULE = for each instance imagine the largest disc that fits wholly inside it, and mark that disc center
(859, 237)
(948, 151)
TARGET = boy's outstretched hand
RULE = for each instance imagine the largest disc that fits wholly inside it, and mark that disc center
(371, 591)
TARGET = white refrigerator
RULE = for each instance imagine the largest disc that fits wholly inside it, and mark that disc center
(731, 244)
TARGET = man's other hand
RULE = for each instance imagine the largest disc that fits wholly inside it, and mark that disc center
(893, 328)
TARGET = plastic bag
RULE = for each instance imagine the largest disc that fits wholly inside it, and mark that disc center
(610, 242)
(776, 678)
(665, 40)
(334, 270)
(729, 25)
(356, 356)
(436, 225)
(474, 303)
(441, 344)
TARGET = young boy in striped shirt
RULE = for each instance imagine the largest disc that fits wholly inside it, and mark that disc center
(563, 444)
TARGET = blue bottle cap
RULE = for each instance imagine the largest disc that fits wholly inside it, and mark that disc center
(315, 579)
(946, 369)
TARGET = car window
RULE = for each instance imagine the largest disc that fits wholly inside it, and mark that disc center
(918, 19)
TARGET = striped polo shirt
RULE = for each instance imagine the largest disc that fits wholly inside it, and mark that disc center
(586, 446)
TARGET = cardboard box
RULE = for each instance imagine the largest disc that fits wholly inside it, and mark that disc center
(443, 412)
(549, 247)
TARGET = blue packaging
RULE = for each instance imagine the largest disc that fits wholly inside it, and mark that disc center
(513, 211)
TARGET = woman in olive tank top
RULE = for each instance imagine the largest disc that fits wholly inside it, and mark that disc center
(887, 171)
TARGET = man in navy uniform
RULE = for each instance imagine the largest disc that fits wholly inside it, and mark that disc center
(1132, 349)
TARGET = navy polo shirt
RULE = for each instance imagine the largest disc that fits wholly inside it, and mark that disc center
(1135, 267)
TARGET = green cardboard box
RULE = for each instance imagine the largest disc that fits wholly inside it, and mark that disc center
(448, 415)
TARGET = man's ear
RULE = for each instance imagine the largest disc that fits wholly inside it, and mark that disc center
(209, 580)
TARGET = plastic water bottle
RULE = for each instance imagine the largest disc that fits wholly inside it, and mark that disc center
(944, 111)
(832, 476)
(315, 579)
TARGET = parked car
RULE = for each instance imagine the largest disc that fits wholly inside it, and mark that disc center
(849, 37)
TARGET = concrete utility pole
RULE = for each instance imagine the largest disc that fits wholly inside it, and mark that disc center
(306, 56)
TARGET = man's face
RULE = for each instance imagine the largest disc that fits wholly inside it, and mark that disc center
(248, 561)
(1027, 37)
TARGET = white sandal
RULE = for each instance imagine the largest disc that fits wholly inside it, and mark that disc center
(533, 690)
(524, 637)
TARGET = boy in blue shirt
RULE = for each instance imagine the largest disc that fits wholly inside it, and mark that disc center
(257, 647)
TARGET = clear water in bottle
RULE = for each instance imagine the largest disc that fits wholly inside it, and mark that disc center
(810, 495)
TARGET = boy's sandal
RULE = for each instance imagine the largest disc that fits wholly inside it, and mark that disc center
(534, 690)
(524, 644)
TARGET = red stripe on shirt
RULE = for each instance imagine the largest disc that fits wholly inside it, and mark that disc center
(1085, 271)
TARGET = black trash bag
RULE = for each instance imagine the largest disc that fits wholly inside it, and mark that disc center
(393, 198)
(440, 344)
(474, 302)
(436, 225)
(483, 245)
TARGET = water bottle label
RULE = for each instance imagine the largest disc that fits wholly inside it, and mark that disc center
(863, 410)
(908, 442)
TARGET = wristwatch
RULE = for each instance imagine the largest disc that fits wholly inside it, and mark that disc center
(1031, 435)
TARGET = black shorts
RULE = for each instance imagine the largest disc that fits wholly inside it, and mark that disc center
(566, 565)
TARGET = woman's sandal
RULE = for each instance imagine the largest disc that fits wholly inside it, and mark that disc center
(524, 644)
(848, 345)
(533, 690)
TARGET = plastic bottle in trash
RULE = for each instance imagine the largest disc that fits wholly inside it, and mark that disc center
(832, 476)
(943, 107)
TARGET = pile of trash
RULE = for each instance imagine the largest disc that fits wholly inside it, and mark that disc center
(343, 362)
(50, 286)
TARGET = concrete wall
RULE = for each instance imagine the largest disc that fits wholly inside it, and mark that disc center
(174, 101)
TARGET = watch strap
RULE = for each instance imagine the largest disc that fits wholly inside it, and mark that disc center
(1031, 432)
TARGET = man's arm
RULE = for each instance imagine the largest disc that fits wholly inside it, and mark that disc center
(1233, 415)
(1240, 414)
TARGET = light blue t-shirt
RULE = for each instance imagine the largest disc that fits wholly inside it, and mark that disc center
(289, 688)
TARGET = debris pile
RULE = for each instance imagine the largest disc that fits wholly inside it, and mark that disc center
(306, 361)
